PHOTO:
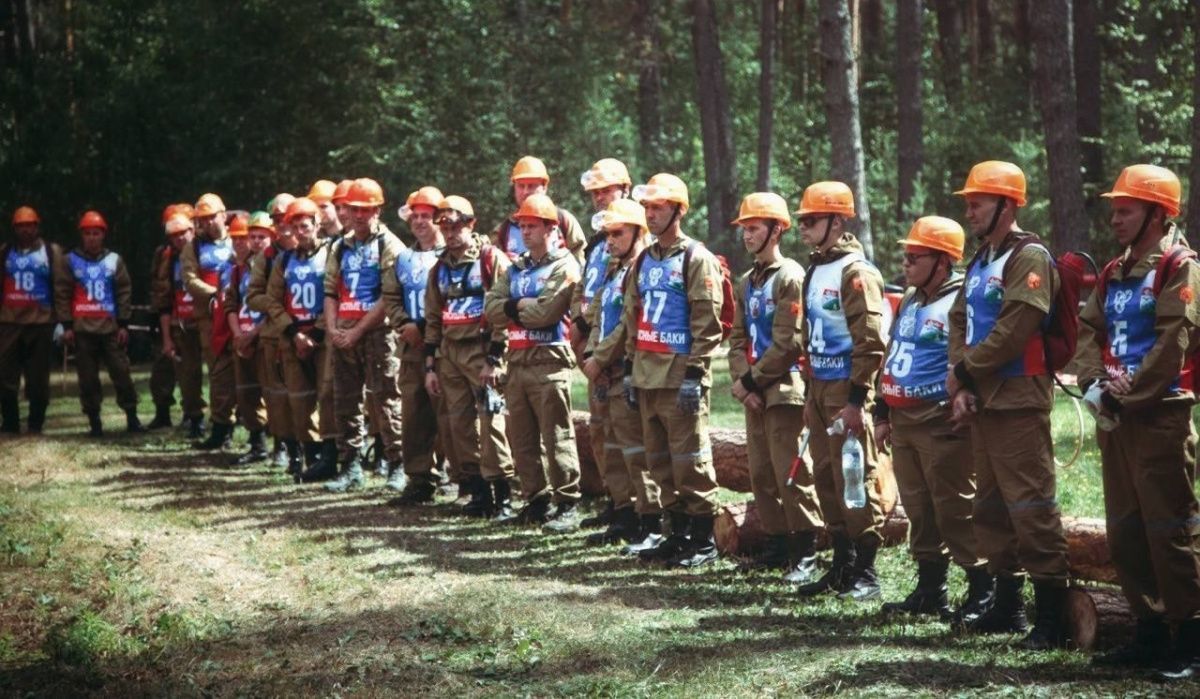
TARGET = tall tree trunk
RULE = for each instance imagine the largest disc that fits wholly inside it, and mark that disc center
(1089, 98)
(870, 13)
(796, 50)
(910, 147)
(839, 71)
(1053, 73)
(1023, 36)
(950, 29)
(716, 129)
(985, 38)
(649, 90)
(1193, 202)
(766, 92)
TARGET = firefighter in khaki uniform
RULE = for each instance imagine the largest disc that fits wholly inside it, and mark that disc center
(638, 522)
(1001, 385)
(673, 327)
(177, 320)
(463, 362)
(287, 452)
(931, 458)
(244, 325)
(764, 360)
(533, 298)
(529, 177)
(1134, 348)
(29, 266)
(92, 296)
(606, 181)
(296, 313)
(364, 346)
(404, 293)
(206, 265)
(162, 372)
(844, 330)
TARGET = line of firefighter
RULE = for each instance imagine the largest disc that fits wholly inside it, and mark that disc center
(315, 321)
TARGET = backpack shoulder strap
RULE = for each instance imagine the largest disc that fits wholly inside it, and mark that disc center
(1174, 258)
(487, 265)
(636, 269)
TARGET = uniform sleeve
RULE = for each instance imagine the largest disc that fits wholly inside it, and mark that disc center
(574, 238)
(631, 309)
(333, 269)
(201, 291)
(393, 299)
(277, 314)
(704, 300)
(1176, 320)
(160, 281)
(739, 339)
(1028, 293)
(500, 267)
(862, 300)
(124, 291)
(256, 288)
(958, 326)
(64, 289)
(1089, 348)
(495, 299)
(433, 312)
(554, 301)
(785, 349)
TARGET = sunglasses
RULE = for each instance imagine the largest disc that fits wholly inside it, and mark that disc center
(911, 258)
(810, 221)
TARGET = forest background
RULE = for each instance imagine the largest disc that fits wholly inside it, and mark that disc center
(127, 105)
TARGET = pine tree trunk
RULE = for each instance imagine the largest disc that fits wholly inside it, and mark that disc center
(649, 86)
(949, 30)
(716, 130)
(766, 92)
(1193, 202)
(910, 147)
(1053, 74)
(1089, 97)
(839, 72)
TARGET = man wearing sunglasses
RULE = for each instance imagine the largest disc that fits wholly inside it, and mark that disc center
(464, 362)
(1000, 384)
(846, 318)
(931, 458)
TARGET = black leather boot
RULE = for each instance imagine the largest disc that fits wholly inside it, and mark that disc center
(648, 536)
(774, 554)
(802, 548)
(834, 579)
(162, 418)
(324, 466)
(674, 540)
(195, 427)
(295, 458)
(863, 583)
(1184, 662)
(930, 596)
(10, 415)
(564, 519)
(221, 437)
(352, 476)
(536, 511)
(981, 593)
(95, 427)
(257, 451)
(624, 527)
(1050, 618)
(132, 424)
(601, 519)
(701, 549)
(502, 501)
(1151, 643)
(37, 417)
(481, 503)
(1007, 613)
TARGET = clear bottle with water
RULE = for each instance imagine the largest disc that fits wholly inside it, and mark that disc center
(854, 494)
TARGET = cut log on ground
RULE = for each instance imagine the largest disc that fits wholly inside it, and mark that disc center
(1098, 615)
(1087, 549)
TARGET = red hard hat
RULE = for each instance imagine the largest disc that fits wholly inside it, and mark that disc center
(93, 219)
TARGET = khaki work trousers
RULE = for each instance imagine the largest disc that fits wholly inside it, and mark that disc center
(1153, 522)
(936, 478)
(270, 374)
(222, 384)
(26, 351)
(608, 452)
(370, 367)
(92, 350)
(1017, 521)
(678, 452)
(772, 444)
(310, 419)
(623, 434)
(251, 408)
(825, 400)
(540, 431)
(419, 428)
(477, 439)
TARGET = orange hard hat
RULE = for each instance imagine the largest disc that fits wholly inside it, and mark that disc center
(621, 212)
(340, 192)
(530, 168)
(93, 219)
(322, 191)
(459, 204)
(426, 196)
(606, 172)
(537, 206)
(364, 192)
(1151, 183)
(827, 198)
(302, 207)
(279, 205)
(663, 187)
(764, 205)
(209, 205)
(937, 233)
(239, 227)
(178, 223)
(25, 214)
(996, 177)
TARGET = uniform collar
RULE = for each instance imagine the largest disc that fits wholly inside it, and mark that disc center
(951, 283)
(1149, 261)
(845, 245)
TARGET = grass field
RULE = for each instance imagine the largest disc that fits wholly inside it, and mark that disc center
(134, 567)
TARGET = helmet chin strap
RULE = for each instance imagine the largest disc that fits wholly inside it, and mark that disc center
(828, 230)
(1145, 224)
(767, 241)
(671, 222)
(1000, 205)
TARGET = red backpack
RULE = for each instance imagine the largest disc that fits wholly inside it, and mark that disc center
(1060, 330)
(727, 302)
(1175, 257)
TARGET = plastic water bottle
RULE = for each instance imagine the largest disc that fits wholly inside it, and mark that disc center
(854, 494)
